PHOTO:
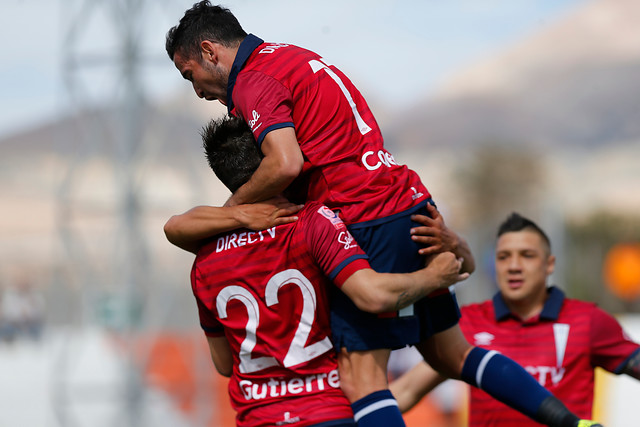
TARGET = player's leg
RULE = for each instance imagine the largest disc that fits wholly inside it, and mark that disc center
(369, 367)
(502, 378)
(336, 423)
(363, 372)
(363, 379)
(363, 368)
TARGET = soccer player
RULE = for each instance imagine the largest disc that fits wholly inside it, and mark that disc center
(263, 304)
(319, 137)
(559, 340)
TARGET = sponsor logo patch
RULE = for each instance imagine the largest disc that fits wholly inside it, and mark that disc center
(288, 419)
(254, 120)
(372, 160)
(332, 217)
(347, 240)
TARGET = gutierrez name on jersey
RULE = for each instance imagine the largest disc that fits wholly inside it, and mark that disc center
(290, 387)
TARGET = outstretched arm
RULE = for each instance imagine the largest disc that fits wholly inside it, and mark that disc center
(439, 238)
(282, 163)
(187, 230)
(384, 292)
(414, 384)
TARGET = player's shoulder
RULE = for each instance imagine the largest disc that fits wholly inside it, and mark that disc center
(320, 218)
(267, 49)
(318, 210)
(585, 313)
(586, 307)
(268, 54)
(476, 307)
(477, 312)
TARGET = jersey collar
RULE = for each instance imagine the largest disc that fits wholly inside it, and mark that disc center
(248, 45)
(550, 311)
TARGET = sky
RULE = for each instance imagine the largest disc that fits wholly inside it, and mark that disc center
(395, 51)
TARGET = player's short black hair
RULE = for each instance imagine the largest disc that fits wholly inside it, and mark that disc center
(231, 150)
(203, 22)
(516, 222)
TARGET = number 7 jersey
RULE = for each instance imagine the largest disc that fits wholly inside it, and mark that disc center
(346, 166)
(266, 292)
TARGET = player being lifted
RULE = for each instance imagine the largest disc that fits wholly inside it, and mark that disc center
(262, 299)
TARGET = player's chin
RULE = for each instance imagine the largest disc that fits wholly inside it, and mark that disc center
(510, 290)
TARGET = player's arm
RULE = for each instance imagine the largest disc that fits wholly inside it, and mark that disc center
(187, 230)
(414, 384)
(632, 367)
(384, 292)
(221, 355)
(611, 347)
(282, 163)
(439, 238)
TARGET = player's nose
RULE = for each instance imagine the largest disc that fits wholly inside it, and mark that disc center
(514, 264)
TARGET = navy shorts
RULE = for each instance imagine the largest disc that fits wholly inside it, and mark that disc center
(391, 250)
(345, 422)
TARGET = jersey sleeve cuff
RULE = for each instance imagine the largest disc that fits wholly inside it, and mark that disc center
(273, 127)
(620, 369)
(213, 332)
(347, 270)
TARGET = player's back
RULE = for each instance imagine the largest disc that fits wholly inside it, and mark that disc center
(268, 291)
(284, 85)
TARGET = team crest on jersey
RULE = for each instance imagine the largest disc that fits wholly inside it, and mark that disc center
(483, 338)
(332, 217)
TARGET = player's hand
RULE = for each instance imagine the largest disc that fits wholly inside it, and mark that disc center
(433, 233)
(267, 214)
(447, 267)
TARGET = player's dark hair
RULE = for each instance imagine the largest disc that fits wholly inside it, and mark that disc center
(231, 150)
(516, 222)
(203, 22)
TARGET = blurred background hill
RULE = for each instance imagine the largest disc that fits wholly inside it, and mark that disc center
(545, 122)
(547, 126)
(571, 85)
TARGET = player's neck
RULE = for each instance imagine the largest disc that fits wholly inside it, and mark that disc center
(526, 313)
(529, 307)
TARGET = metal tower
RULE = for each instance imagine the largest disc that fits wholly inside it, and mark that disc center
(110, 58)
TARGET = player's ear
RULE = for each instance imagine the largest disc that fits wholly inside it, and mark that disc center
(551, 264)
(209, 51)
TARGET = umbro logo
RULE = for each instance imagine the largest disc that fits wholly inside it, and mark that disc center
(483, 338)
(416, 194)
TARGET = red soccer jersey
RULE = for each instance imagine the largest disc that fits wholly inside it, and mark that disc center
(560, 348)
(266, 292)
(346, 166)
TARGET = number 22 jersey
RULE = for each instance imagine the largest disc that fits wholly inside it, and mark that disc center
(266, 292)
